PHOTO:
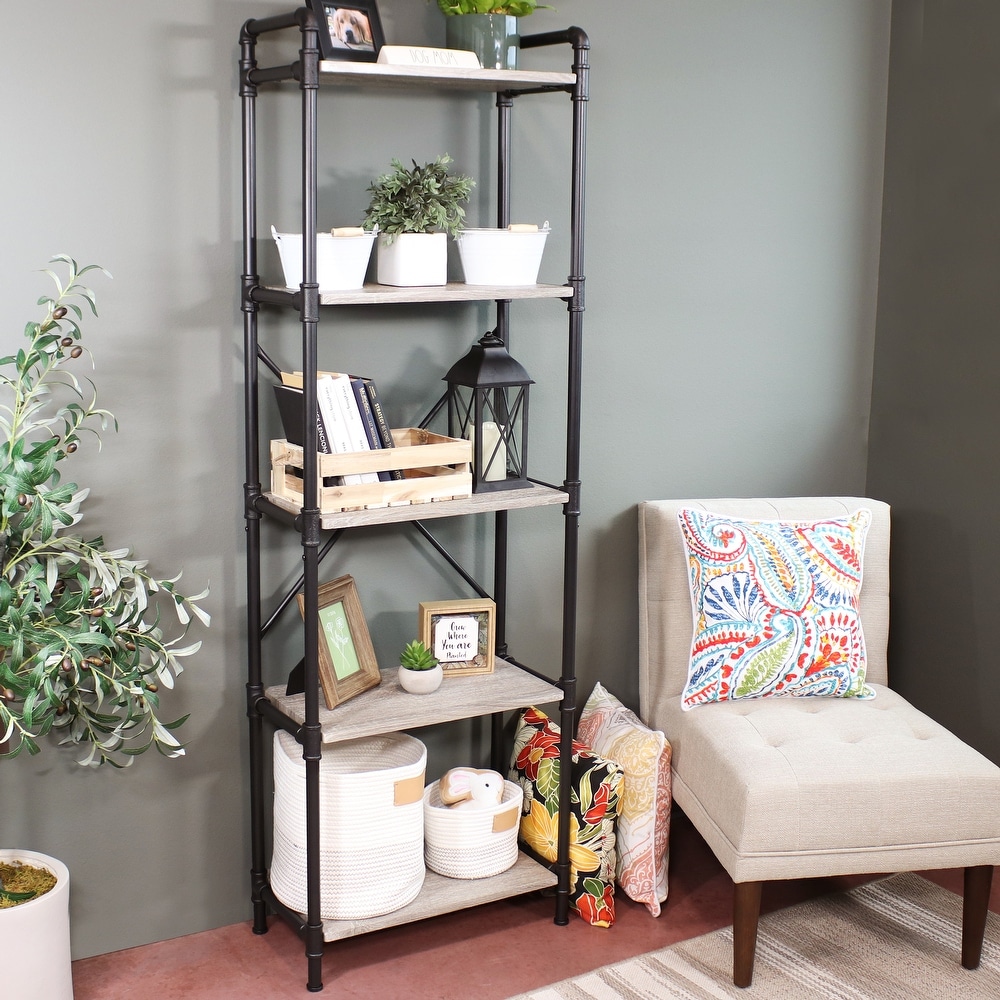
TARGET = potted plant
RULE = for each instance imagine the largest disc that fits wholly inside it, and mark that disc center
(487, 27)
(419, 671)
(83, 650)
(415, 211)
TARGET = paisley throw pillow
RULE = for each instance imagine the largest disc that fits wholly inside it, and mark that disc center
(535, 766)
(776, 607)
(642, 839)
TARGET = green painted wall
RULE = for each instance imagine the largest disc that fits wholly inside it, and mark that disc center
(735, 174)
(935, 411)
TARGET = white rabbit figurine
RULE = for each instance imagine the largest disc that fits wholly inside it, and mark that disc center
(471, 787)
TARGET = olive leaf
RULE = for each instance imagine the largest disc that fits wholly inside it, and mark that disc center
(83, 646)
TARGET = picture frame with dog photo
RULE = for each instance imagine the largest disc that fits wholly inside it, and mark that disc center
(351, 30)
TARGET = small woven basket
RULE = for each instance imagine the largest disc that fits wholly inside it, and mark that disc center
(371, 825)
(468, 841)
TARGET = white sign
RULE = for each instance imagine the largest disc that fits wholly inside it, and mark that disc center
(456, 640)
(417, 55)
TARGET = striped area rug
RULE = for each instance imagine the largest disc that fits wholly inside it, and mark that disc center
(895, 939)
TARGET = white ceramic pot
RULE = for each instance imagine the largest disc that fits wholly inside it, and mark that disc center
(341, 261)
(35, 958)
(420, 681)
(501, 256)
(413, 259)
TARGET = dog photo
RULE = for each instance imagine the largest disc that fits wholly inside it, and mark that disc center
(349, 28)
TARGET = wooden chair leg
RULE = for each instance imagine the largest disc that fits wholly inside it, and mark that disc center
(975, 906)
(746, 914)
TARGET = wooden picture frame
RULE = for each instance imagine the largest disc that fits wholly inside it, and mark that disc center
(349, 30)
(347, 664)
(453, 617)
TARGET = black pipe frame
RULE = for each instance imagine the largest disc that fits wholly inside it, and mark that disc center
(306, 301)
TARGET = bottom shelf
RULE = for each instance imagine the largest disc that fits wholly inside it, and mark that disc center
(444, 895)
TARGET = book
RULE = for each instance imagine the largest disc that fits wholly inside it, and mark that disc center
(294, 379)
(342, 420)
(381, 424)
(290, 410)
(368, 419)
(289, 401)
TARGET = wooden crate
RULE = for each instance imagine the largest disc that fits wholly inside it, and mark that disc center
(434, 467)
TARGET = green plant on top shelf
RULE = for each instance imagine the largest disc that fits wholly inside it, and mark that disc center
(416, 656)
(82, 643)
(514, 8)
(424, 199)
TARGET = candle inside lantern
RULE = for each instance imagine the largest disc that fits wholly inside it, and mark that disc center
(494, 450)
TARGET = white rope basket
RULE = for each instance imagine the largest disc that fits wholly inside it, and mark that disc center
(471, 841)
(371, 825)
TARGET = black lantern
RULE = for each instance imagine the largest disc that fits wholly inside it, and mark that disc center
(488, 405)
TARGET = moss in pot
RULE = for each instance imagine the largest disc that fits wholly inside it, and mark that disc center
(419, 670)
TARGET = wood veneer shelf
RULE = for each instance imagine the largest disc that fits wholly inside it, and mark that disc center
(356, 74)
(444, 895)
(388, 708)
(478, 503)
(455, 291)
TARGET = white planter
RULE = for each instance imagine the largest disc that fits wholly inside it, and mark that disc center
(34, 938)
(500, 256)
(341, 261)
(413, 259)
(420, 681)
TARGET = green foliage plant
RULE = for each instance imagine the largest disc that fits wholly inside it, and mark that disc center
(424, 199)
(515, 8)
(416, 656)
(83, 648)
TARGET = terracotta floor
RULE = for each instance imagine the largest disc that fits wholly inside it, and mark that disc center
(488, 953)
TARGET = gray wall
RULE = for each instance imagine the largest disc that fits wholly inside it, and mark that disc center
(733, 231)
(936, 412)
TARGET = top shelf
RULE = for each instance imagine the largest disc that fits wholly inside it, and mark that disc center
(360, 74)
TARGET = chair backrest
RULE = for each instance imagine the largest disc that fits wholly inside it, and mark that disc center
(665, 615)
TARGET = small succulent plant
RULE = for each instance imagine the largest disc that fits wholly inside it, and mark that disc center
(416, 656)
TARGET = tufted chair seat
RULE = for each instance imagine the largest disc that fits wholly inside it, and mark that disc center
(786, 788)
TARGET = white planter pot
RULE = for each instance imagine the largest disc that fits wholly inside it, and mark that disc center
(341, 261)
(499, 256)
(413, 259)
(421, 681)
(35, 959)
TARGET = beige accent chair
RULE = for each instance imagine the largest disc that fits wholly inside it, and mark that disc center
(784, 788)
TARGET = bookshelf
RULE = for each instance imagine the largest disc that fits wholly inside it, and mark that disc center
(383, 709)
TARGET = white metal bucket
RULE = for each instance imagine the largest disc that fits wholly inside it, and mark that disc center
(500, 256)
(341, 261)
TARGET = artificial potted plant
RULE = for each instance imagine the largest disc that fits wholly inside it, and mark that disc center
(416, 209)
(419, 671)
(83, 648)
(487, 27)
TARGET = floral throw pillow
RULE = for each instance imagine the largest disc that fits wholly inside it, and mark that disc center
(535, 766)
(642, 838)
(776, 607)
